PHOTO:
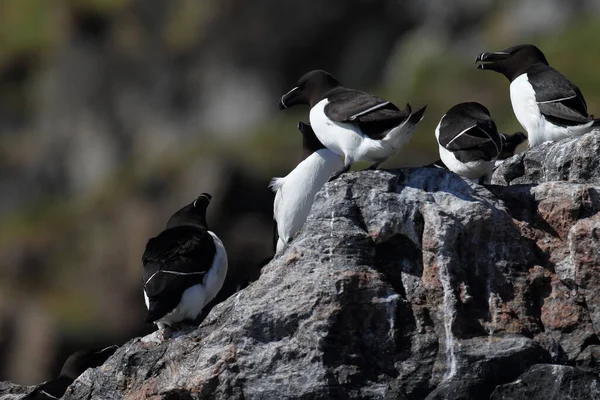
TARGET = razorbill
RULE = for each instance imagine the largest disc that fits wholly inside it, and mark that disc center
(468, 140)
(295, 192)
(184, 266)
(509, 145)
(547, 105)
(353, 124)
(75, 365)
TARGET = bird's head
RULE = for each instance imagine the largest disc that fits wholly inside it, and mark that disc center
(78, 362)
(193, 214)
(513, 61)
(309, 90)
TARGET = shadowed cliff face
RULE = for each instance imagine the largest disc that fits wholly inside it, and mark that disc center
(404, 284)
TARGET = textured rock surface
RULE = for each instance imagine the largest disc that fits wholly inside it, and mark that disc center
(573, 160)
(550, 382)
(10, 391)
(406, 284)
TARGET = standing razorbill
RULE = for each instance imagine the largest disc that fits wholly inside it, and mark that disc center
(468, 140)
(353, 124)
(75, 365)
(547, 105)
(295, 192)
(184, 266)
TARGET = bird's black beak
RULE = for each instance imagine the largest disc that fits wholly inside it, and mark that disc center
(288, 99)
(484, 60)
(304, 127)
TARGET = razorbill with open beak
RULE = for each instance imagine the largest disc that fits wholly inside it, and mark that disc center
(547, 105)
(295, 192)
(353, 124)
(184, 266)
(75, 365)
(509, 145)
(468, 140)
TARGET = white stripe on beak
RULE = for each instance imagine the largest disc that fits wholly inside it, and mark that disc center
(287, 94)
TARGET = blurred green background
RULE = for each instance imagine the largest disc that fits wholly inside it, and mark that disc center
(115, 113)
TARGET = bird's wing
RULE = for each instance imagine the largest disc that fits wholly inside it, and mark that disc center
(559, 100)
(372, 114)
(173, 261)
(470, 141)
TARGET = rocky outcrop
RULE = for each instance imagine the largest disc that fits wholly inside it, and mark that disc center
(575, 160)
(404, 284)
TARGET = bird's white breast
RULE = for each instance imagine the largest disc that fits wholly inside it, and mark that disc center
(527, 111)
(296, 191)
(525, 107)
(341, 138)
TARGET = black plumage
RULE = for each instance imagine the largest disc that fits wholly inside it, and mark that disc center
(559, 100)
(373, 115)
(468, 131)
(74, 366)
(510, 144)
(176, 259)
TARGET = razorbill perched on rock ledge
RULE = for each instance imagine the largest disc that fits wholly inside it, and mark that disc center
(295, 192)
(75, 365)
(468, 140)
(353, 124)
(184, 266)
(547, 105)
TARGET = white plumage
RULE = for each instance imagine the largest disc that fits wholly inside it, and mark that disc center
(295, 193)
(527, 111)
(347, 140)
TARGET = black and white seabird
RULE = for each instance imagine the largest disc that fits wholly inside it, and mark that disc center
(75, 365)
(468, 140)
(353, 124)
(547, 105)
(184, 266)
(295, 192)
(509, 145)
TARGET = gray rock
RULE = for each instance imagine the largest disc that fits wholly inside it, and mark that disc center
(406, 284)
(11, 391)
(573, 160)
(551, 382)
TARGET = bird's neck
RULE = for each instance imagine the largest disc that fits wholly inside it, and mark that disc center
(320, 95)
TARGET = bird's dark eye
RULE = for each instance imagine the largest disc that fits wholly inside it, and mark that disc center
(195, 203)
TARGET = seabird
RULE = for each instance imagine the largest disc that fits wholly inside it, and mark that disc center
(468, 140)
(547, 105)
(75, 365)
(295, 192)
(184, 266)
(509, 145)
(353, 124)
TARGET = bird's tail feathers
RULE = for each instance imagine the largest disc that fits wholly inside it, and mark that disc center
(276, 183)
(400, 135)
(417, 116)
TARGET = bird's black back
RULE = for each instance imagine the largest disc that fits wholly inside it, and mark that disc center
(560, 100)
(468, 131)
(373, 115)
(183, 249)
